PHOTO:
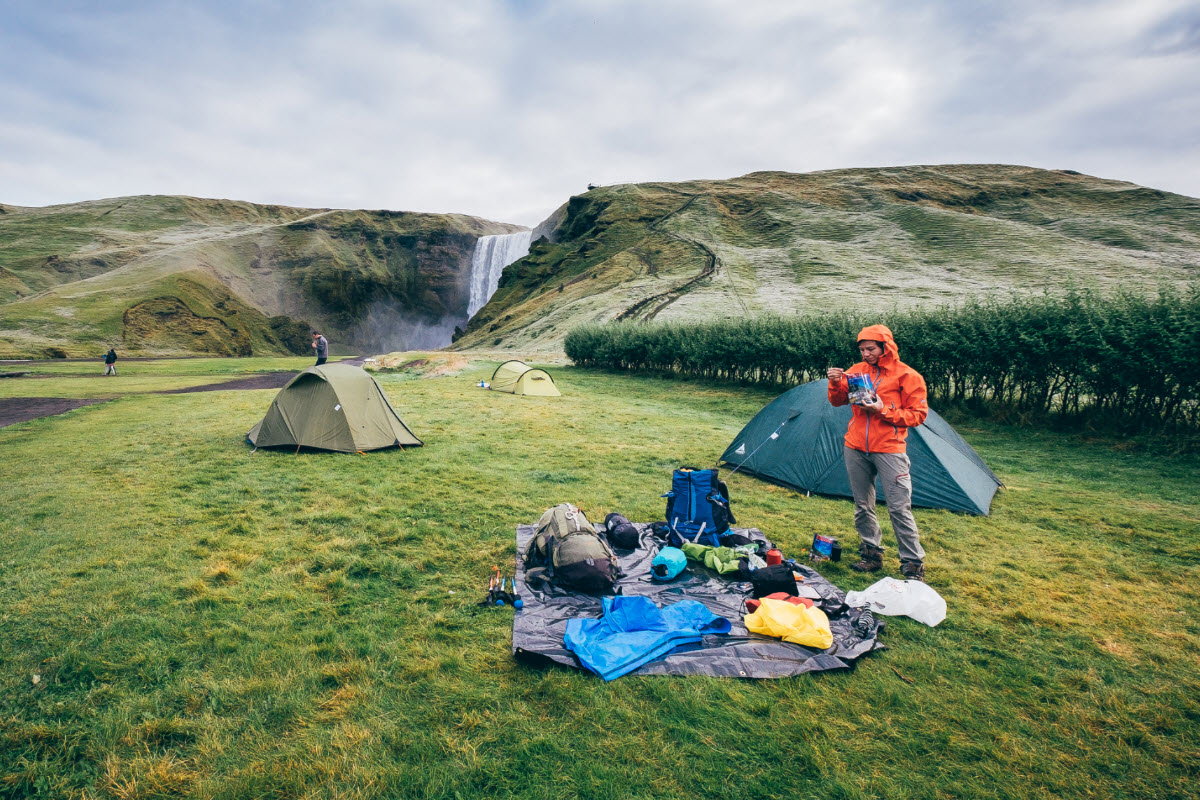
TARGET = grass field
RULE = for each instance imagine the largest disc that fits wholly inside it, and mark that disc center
(181, 616)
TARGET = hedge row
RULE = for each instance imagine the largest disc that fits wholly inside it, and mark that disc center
(1130, 355)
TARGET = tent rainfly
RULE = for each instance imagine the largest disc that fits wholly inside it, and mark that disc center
(796, 441)
(517, 377)
(332, 407)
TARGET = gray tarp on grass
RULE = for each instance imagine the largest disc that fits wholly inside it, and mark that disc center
(538, 628)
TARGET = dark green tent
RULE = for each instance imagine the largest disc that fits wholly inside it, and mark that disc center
(332, 407)
(796, 440)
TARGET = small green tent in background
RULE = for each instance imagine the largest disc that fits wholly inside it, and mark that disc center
(796, 440)
(332, 407)
(517, 377)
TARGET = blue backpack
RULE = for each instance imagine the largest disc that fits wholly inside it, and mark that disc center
(697, 507)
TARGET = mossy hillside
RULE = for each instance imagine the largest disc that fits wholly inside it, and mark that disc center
(179, 314)
(76, 273)
(199, 314)
(60, 244)
(876, 238)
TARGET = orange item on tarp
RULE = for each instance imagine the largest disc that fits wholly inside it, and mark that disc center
(790, 622)
(753, 604)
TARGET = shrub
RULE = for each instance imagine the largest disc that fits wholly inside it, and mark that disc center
(1128, 355)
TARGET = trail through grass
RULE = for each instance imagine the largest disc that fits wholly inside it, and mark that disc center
(203, 620)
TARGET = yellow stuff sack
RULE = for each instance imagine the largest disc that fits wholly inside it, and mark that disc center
(798, 624)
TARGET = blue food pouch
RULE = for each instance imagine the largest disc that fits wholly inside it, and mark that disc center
(861, 389)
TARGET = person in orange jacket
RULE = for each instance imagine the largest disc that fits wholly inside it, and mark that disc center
(875, 446)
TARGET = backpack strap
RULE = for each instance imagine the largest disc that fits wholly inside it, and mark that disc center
(695, 539)
(551, 542)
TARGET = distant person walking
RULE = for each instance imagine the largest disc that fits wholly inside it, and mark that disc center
(884, 410)
(321, 345)
(110, 362)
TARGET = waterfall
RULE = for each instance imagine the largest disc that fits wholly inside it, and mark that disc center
(492, 254)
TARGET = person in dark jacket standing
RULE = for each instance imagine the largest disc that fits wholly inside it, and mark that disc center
(321, 345)
(875, 446)
(110, 361)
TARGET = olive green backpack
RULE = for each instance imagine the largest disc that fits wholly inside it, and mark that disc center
(567, 550)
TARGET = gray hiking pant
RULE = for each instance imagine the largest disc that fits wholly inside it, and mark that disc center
(893, 472)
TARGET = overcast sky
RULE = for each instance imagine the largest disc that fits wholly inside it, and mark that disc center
(505, 109)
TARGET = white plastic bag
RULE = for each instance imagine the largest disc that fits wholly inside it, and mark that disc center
(894, 598)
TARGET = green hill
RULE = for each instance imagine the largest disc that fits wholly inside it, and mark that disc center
(179, 275)
(773, 241)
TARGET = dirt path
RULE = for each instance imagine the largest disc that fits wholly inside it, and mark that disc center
(664, 299)
(272, 380)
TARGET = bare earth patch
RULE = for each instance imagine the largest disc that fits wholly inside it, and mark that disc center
(273, 380)
(23, 409)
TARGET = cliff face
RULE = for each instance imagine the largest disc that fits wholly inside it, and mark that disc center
(382, 280)
(875, 238)
(177, 275)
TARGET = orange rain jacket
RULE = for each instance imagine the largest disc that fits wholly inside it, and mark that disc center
(899, 386)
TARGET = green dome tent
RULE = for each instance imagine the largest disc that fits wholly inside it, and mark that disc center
(332, 407)
(517, 377)
(796, 441)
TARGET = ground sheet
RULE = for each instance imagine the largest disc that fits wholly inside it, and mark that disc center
(538, 628)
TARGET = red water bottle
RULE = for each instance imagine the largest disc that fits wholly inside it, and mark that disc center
(774, 557)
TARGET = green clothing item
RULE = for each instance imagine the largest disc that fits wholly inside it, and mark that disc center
(723, 559)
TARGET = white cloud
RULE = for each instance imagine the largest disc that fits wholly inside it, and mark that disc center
(503, 110)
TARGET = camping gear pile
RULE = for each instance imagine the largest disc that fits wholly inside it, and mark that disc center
(622, 597)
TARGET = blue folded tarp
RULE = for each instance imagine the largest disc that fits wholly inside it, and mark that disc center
(634, 631)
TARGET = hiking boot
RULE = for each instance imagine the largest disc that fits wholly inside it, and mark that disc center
(913, 570)
(872, 561)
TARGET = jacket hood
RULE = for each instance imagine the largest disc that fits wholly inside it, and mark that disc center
(881, 333)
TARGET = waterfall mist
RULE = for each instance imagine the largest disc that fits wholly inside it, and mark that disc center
(389, 327)
(492, 254)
